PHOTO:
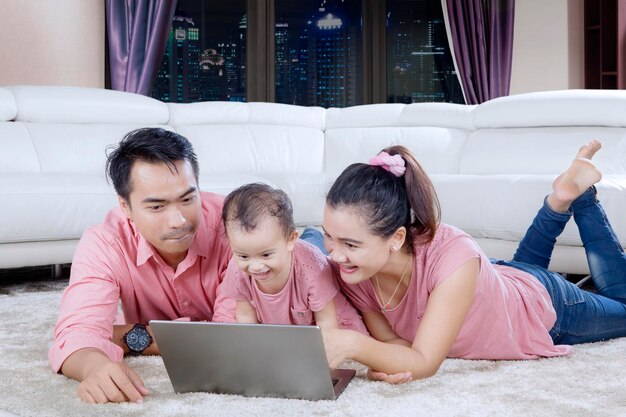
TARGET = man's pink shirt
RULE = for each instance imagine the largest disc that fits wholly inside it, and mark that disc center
(311, 285)
(113, 263)
(510, 317)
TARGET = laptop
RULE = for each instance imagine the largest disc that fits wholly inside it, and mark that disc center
(254, 360)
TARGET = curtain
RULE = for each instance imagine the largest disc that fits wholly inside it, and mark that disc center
(481, 39)
(137, 36)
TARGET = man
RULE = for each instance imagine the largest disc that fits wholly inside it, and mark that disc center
(162, 253)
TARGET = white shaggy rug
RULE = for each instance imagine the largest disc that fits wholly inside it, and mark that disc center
(592, 382)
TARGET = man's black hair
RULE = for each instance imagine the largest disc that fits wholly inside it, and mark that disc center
(151, 145)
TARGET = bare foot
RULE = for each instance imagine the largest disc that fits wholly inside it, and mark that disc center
(588, 150)
(581, 175)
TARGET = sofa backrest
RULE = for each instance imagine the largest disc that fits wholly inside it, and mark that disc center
(44, 128)
(435, 132)
(17, 154)
(538, 133)
(67, 129)
(255, 138)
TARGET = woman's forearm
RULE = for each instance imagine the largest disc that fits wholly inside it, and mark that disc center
(390, 357)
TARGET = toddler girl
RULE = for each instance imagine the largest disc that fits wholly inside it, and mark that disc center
(275, 277)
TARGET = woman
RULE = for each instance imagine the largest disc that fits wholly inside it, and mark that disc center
(427, 291)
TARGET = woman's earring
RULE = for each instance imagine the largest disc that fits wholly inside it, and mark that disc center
(394, 248)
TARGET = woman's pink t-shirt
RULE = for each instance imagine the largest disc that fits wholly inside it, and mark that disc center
(310, 287)
(510, 317)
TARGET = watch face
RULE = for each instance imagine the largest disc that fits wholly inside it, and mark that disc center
(138, 339)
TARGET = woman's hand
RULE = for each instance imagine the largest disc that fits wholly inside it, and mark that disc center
(339, 345)
(399, 378)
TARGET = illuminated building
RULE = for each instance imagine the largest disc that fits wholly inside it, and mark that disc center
(178, 78)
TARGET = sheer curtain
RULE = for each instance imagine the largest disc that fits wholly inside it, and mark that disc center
(137, 36)
(481, 38)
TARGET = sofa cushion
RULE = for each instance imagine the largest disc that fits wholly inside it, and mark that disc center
(394, 115)
(370, 115)
(503, 206)
(18, 154)
(306, 191)
(53, 104)
(8, 106)
(256, 149)
(554, 108)
(78, 148)
(41, 207)
(220, 113)
(454, 116)
(437, 149)
(541, 150)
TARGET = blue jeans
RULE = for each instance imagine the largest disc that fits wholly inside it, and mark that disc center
(315, 238)
(582, 316)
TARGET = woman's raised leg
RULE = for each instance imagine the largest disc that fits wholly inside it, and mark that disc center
(605, 255)
(538, 243)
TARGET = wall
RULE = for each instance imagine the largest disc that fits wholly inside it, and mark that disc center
(548, 45)
(52, 42)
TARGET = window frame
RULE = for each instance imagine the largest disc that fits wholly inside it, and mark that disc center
(260, 82)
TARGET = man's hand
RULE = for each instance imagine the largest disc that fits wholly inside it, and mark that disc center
(399, 378)
(112, 382)
(103, 380)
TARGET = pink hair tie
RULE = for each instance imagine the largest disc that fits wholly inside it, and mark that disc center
(393, 164)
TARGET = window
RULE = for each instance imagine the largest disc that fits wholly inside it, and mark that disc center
(330, 53)
(205, 57)
(318, 53)
(419, 63)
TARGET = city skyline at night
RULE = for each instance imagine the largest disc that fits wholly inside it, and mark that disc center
(318, 58)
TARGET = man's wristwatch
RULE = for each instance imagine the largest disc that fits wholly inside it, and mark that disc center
(137, 339)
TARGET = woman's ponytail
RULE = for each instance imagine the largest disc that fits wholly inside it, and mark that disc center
(390, 192)
(421, 194)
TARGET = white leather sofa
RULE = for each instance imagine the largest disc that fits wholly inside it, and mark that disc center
(491, 164)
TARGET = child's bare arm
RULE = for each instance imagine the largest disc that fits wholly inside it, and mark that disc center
(326, 318)
(246, 313)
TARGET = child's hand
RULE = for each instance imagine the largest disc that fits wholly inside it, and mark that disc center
(399, 378)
